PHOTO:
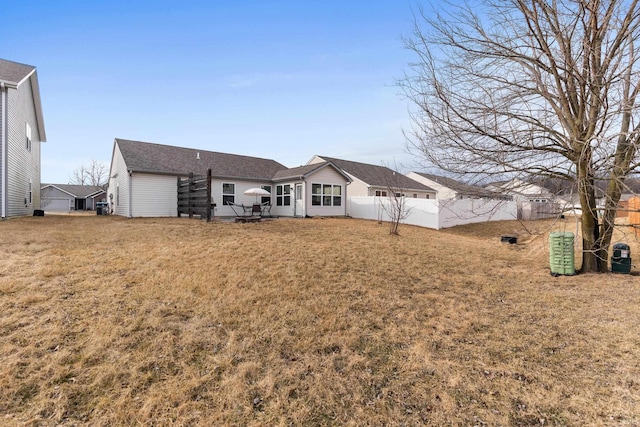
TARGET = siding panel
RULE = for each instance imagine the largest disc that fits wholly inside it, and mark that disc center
(154, 195)
(327, 175)
(240, 198)
(118, 184)
(23, 165)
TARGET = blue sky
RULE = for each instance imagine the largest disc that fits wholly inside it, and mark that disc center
(278, 79)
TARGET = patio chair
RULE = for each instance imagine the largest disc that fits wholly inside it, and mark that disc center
(239, 210)
(266, 209)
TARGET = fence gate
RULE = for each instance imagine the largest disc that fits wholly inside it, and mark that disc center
(194, 196)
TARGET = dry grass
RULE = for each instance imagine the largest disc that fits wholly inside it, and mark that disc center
(109, 321)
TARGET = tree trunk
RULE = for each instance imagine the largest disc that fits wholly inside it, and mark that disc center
(591, 253)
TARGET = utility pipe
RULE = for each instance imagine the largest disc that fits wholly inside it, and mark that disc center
(3, 145)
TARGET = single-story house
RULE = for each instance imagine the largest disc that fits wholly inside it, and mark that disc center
(143, 181)
(522, 191)
(21, 134)
(372, 180)
(449, 188)
(67, 197)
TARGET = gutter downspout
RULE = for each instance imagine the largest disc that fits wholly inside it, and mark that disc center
(130, 196)
(3, 148)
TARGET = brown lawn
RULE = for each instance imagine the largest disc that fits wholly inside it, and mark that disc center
(113, 321)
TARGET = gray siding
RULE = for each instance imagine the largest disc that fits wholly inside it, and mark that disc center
(23, 166)
(119, 183)
(326, 175)
(2, 160)
(154, 195)
(54, 200)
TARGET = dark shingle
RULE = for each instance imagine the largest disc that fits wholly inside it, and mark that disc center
(379, 176)
(14, 72)
(170, 160)
(459, 187)
(79, 191)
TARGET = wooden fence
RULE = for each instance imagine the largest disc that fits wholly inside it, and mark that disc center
(194, 196)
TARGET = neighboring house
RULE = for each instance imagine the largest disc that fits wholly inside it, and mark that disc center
(372, 180)
(143, 181)
(67, 197)
(21, 134)
(522, 191)
(448, 188)
(534, 201)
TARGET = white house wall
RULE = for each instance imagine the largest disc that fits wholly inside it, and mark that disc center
(326, 175)
(119, 184)
(358, 188)
(54, 200)
(23, 165)
(154, 195)
(240, 199)
(442, 192)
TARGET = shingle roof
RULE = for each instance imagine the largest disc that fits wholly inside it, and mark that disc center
(458, 187)
(166, 159)
(13, 72)
(79, 191)
(380, 176)
(297, 171)
(301, 171)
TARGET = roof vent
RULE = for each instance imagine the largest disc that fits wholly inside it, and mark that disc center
(197, 156)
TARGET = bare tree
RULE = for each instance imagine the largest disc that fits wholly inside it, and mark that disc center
(532, 88)
(393, 204)
(93, 173)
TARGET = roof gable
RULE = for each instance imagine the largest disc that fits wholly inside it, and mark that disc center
(302, 172)
(78, 191)
(148, 157)
(379, 176)
(14, 73)
(457, 186)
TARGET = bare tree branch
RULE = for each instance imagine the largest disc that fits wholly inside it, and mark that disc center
(531, 88)
(93, 173)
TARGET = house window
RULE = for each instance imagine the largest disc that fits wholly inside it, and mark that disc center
(266, 199)
(428, 196)
(381, 193)
(326, 195)
(30, 192)
(283, 195)
(415, 196)
(228, 193)
(28, 134)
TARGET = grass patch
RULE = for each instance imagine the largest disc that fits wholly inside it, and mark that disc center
(113, 321)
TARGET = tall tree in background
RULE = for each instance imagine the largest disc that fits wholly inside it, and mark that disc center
(92, 173)
(532, 88)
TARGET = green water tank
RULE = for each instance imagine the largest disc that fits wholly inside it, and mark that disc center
(561, 254)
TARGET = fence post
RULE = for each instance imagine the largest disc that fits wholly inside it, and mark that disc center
(189, 195)
(208, 206)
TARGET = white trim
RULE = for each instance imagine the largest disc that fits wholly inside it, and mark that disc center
(130, 207)
(3, 144)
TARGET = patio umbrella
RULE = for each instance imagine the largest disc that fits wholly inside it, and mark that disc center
(258, 192)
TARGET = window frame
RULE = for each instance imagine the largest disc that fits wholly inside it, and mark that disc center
(228, 196)
(283, 195)
(27, 132)
(266, 199)
(326, 195)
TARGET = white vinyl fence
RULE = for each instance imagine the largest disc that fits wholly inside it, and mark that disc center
(434, 214)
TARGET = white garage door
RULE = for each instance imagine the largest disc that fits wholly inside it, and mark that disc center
(55, 205)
